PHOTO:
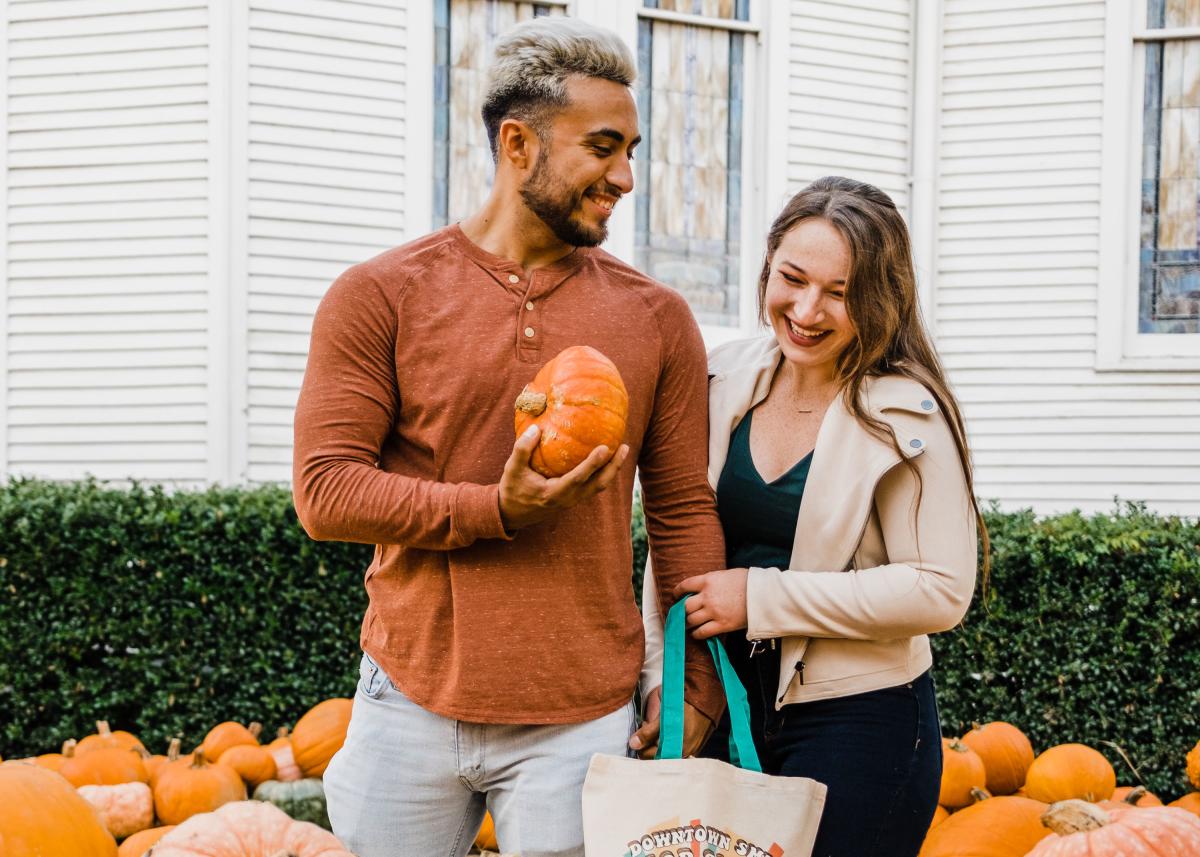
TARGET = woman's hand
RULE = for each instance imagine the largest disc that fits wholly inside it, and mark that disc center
(718, 602)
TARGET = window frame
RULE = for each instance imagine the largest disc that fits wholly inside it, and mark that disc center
(1119, 345)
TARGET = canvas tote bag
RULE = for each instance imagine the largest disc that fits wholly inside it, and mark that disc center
(676, 807)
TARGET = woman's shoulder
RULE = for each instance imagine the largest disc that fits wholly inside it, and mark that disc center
(882, 394)
(741, 353)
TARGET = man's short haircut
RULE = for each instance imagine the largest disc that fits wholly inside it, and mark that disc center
(528, 76)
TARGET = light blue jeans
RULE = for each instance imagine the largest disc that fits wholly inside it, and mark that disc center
(408, 782)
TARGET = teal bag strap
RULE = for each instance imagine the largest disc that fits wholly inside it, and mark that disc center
(670, 738)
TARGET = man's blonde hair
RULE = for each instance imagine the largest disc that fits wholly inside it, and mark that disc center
(528, 76)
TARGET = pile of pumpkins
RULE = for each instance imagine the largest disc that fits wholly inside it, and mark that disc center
(107, 788)
(998, 799)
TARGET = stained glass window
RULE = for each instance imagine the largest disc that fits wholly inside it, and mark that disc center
(465, 33)
(689, 171)
(1169, 266)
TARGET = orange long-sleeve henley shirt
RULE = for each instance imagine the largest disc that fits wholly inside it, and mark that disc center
(402, 429)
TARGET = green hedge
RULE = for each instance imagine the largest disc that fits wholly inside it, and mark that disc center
(166, 613)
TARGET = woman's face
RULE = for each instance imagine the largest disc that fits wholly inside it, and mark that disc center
(806, 295)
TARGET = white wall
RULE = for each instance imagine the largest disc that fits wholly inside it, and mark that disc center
(1018, 270)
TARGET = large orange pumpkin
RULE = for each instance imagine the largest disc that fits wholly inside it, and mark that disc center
(962, 772)
(229, 734)
(1193, 765)
(248, 829)
(1006, 753)
(1070, 771)
(996, 827)
(105, 738)
(319, 734)
(1083, 829)
(42, 816)
(579, 402)
(189, 786)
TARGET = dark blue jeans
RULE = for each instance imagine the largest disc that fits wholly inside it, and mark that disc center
(879, 753)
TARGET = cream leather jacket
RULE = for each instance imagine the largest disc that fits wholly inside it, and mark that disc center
(868, 580)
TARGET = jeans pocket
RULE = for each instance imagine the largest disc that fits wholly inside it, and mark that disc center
(372, 680)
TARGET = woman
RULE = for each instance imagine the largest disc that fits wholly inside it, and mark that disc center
(843, 481)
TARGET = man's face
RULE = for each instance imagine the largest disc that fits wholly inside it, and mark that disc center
(584, 166)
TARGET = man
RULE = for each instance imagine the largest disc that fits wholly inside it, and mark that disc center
(502, 644)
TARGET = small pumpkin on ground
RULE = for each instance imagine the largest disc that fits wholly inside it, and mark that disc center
(139, 843)
(303, 800)
(962, 771)
(40, 814)
(247, 829)
(1134, 796)
(579, 402)
(104, 766)
(106, 739)
(229, 734)
(485, 839)
(1189, 802)
(1070, 771)
(998, 827)
(187, 787)
(1006, 754)
(1083, 829)
(254, 764)
(125, 809)
(319, 734)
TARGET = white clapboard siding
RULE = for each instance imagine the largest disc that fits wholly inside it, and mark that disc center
(326, 190)
(105, 348)
(1017, 264)
(850, 71)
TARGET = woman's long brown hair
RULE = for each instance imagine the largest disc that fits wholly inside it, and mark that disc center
(881, 301)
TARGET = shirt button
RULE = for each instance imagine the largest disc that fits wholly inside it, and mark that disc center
(529, 331)
(528, 304)
(513, 278)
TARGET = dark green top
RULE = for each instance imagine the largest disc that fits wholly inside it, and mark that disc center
(759, 518)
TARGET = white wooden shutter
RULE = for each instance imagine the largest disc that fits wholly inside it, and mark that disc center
(1017, 272)
(327, 131)
(849, 78)
(107, 238)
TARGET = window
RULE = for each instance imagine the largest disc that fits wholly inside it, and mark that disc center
(465, 33)
(1169, 257)
(691, 59)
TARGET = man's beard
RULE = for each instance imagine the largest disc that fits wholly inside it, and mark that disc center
(548, 197)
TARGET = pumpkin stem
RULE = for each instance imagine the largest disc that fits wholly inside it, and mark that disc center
(1135, 794)
(68, 748)
(282, 732)
(958, 746)
(978, 794)
(102, 728)
(198, 760)
(1074, 816)
(531, 403)
(173, 749)
(254, 729)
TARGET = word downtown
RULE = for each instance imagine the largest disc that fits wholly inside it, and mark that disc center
(649, 845)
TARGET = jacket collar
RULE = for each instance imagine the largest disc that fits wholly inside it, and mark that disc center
(848, 460)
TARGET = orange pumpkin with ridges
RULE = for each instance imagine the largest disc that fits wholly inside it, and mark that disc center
(1006, 754)
(106, 739)
(319, 734)
(579, 402)
(229, 734)
(996, 827)
(1070, 771)
(254, 764)
(962, 771)
(40, 814)
(1082, 829)
(106, 766)
(189, 786)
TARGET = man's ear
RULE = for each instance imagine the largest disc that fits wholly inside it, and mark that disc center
(516, 144)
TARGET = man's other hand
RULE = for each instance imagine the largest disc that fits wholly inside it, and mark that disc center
(527, 497)
(696, 728)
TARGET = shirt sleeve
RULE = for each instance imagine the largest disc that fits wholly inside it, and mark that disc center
(682, 526)
(348, 403)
